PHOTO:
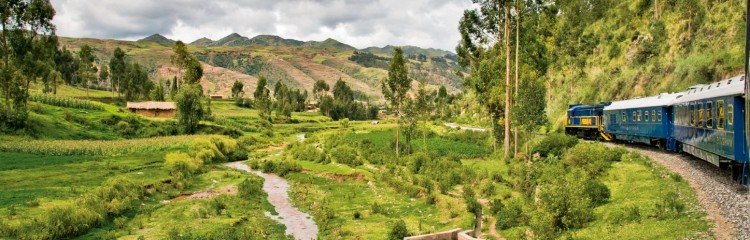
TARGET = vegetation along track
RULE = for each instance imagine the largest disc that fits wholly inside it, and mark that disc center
(726, 202)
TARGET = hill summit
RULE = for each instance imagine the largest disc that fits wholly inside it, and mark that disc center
(158, 39)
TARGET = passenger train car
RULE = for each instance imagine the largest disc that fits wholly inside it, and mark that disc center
(706, 121)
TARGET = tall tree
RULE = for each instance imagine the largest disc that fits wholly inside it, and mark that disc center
(117, 69)
(237, 92)
(489, 25)
(87, 70)
(262, 98)
(181, 59)
(320, 89)
(396, 86)
(422, 101)
(27, 49)
(189, 107)
(103, 73)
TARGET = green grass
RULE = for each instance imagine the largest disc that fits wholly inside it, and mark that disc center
(640, 183)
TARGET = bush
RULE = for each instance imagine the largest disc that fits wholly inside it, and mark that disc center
(181, 166)
(344, 123)
(357, 215)
(281, 168)
(216, 149)
(377, 208)
(555, 144)
(594, 158)
(597, 192)
(250, 187)
(398, 231)
(509, 213)
(346, 155)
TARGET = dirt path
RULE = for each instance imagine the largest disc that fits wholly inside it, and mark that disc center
(726, 207)
(205, 194)
(493, 231)
(298, 224)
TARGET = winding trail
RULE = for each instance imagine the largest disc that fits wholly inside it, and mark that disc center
(298, 224)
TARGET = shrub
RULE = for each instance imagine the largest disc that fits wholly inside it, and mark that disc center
(509, 213)
(597, 192)
(594, 158)
(250, 187)
(398, 231)
(281, 168)
(346, 155)
(181, 166)
(555, 144)
(357, 215)
(344, 123)
(124, 128)
(121, 222)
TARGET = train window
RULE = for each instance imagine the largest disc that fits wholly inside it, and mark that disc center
(640, 115)
(700, 115)
(659, 112)
(646, 117)
(709, 114)
(691, 109)
(624, 117)
(730, 115)
(653, 115)
(720, 114)
(635, 116)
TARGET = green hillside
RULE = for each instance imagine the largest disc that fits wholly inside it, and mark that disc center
(295, 63)
(622, 49)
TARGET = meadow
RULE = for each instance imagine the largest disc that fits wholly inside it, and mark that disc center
(346, 176)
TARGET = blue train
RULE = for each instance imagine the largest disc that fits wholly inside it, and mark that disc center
(706, 121)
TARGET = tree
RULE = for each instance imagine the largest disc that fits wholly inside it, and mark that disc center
(490, 23)
(320, 89)
(135, 84)
(342, 92)
(189, 107)
(157, 94)
(422, 102)
(475, 208)
(396, 86)
(237, 92)
(529, 108)
(87, 70)
(117, 69)
(67, 65)
(103, 73)
(262, 98)
(181, 58)
(27, 49)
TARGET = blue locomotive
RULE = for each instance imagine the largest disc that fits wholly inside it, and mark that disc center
(706, 121)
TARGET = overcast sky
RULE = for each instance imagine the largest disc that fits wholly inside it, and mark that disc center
(360, 23)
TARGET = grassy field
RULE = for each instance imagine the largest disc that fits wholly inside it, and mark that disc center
(346, 176)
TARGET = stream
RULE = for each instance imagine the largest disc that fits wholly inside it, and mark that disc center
(298, 224)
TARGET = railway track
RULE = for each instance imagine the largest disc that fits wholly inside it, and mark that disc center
(726, 202)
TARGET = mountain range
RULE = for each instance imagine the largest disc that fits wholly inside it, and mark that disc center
(298, 64)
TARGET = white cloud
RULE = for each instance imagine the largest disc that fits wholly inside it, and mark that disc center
(361, 23)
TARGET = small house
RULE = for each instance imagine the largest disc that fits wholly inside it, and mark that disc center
(153, 109)
(215, 96)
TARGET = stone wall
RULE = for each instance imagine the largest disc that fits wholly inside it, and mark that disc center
(455, 234)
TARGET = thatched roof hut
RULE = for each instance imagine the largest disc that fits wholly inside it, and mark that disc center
(153, 109)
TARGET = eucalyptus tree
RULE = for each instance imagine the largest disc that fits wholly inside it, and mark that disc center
(27, 48)
(396, 86)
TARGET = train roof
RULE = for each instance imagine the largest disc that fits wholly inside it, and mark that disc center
(664, 99)
(727, 87)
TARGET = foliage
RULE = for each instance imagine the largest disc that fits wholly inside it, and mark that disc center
(182, 166)
(398, 231)
(346, 155)
(251, 186)
(555, 144)
(262, 98)
(27, 47)
(189, 107)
